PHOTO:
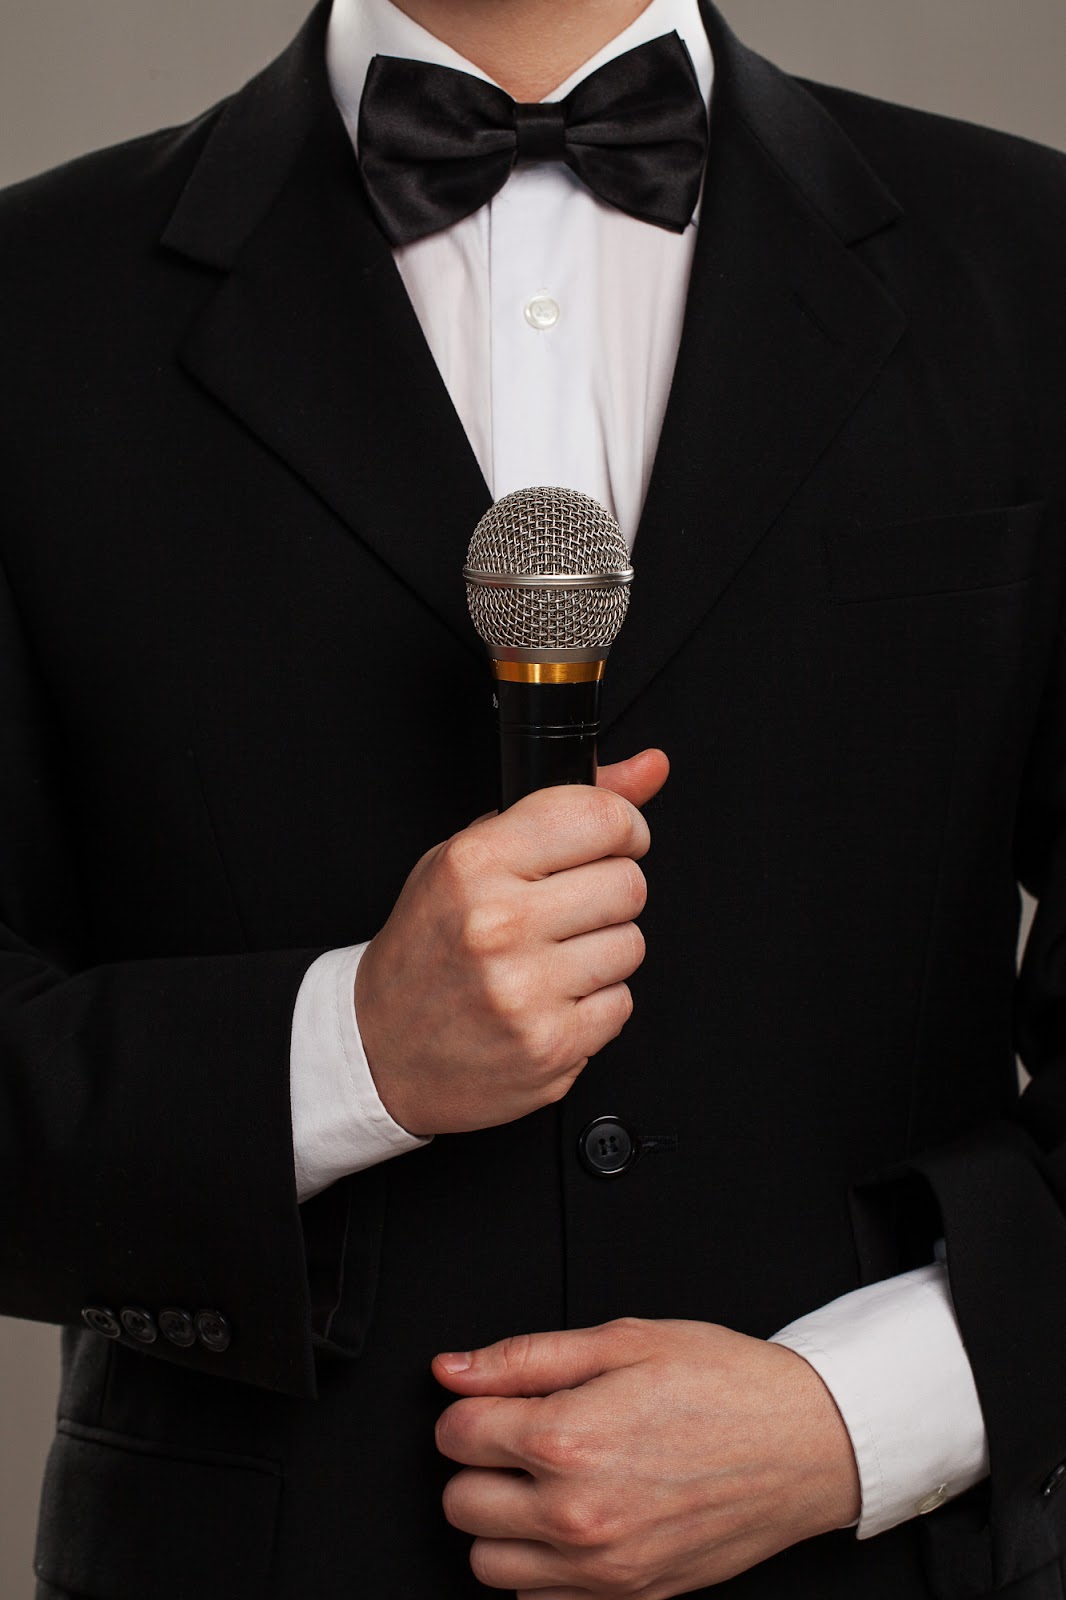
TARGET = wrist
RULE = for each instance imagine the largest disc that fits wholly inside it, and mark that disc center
(389, 1091)
(824, 1447)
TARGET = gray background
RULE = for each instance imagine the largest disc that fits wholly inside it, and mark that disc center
(75, 74)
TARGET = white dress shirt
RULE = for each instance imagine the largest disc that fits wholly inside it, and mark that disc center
(555, 320)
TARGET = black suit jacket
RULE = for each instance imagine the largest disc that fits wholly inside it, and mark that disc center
(241, 697)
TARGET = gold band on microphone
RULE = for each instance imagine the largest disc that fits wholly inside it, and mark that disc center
(548, 671)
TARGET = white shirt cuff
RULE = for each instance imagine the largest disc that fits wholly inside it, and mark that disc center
(339, 1124)
(893, 1359)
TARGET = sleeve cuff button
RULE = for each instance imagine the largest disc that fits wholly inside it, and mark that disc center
(213, 1331)
(139, 1324)
(102, 1321)
(177, 1326)
(931, 1501)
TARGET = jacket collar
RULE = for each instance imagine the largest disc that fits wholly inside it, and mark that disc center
(311, 342)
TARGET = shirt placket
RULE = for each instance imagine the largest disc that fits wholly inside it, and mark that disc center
(531, 346)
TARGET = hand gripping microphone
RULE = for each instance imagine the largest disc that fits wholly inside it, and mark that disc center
(547, 582)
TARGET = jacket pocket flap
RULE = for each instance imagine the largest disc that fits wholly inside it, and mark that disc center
(122, 1520)
(935, 555)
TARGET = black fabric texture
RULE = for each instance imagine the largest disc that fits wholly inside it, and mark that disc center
(91, 1469)
(241, 697)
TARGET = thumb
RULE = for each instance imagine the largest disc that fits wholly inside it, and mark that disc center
(637, 780)
(535, 1363)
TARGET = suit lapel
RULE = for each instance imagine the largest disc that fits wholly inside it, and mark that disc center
(785, 329)
(310, 339)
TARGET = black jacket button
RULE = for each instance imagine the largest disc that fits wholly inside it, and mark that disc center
(101, 1320)
(139, 1324)
(606, 1148)
(214, 1331)
(1054, 1481)
(178, 1327)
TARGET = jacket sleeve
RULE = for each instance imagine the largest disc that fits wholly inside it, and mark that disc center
(146, 1157)
(998, 1194)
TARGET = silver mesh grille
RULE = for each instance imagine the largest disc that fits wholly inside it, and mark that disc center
(548, 531)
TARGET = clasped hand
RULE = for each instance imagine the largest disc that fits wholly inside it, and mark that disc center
(638, 1459)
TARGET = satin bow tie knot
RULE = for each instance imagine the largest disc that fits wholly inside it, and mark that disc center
(435, 144)
(540, 132)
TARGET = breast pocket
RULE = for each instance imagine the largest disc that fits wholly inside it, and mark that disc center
(968, 550)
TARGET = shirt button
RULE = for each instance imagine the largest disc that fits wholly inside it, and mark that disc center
(931, 1501)
(542, 312)
(606, 1148)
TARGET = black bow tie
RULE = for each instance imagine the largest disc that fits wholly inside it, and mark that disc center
(435, 145)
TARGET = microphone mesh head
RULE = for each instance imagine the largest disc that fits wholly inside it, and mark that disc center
(548, 531)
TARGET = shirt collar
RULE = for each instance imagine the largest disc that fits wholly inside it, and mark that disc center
(362, 29)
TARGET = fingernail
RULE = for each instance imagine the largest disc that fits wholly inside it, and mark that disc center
(455, 1360)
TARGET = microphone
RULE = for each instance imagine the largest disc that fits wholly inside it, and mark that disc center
(547, 583)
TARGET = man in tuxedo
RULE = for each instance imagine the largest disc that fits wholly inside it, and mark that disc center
(312, 1080)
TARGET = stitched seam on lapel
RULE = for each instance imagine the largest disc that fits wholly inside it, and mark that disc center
(809, 201)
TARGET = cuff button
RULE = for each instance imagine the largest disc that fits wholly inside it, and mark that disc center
(1054, 1481)
(102, 1321)
(931, 1501)
(178, 1327)
(139, 1324)
(213, 1331)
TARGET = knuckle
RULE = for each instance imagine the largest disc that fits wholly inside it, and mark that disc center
(575, 1524)
(451, 1500)
(638, 947)
(487, 929)
(457, 857)
(443, 1433)
(616, 1573)
(452, 1428)
(579, 1523)
(625, 1337)
(516, 1353)
(543, 1049)
(618, 1008)
(612, 816)
(636, 885)
(562, 809)
(623, 1008)
(481, 1562)
(617, 1012)
(507, 1002)
(561, 1086)
(627, 1327)
(559, 1450)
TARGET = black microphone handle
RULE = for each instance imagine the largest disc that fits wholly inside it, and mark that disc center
(548, 734)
